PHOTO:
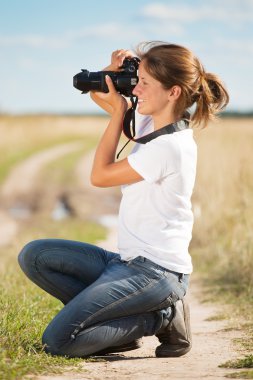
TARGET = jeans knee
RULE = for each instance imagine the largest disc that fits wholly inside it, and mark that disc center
(55, 344)
(28, 254)
(50, 344)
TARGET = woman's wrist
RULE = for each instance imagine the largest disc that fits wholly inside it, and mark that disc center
(111, 67)
(119, 111)
(121, 106)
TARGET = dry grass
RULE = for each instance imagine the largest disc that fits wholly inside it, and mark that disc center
(23, 129)
(223, 198)
(222, 244)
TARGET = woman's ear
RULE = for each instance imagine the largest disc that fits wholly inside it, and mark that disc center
(174, 92)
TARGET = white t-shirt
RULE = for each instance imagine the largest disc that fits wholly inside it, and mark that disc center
(155, 216)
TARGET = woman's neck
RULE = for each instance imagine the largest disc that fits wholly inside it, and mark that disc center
(162, 121)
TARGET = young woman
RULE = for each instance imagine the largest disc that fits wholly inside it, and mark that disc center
(111, 299)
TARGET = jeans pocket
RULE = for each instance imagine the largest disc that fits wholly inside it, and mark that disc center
(180, 282)
(148, 267)
(169, 301)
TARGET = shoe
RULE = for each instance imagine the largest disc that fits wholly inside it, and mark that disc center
(134, 345)
(175, 338)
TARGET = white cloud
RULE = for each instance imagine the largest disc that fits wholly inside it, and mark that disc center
(102, 31)
(164, 12)
(165, 29)
(223, 10)
(32, 40)
(242, 47)
(111, 30)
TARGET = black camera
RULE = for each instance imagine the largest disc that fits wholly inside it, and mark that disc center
(124, 81)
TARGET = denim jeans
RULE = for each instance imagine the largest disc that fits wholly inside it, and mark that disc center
(107, 301)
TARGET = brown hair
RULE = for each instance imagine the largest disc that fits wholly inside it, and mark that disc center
(173, 65)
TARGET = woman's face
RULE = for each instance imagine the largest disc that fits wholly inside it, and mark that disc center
(152, 97)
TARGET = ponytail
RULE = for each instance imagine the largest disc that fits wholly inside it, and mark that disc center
(210, 99)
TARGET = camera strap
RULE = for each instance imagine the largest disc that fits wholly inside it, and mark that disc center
(129, 126)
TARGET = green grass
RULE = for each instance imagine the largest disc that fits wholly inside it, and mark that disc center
(26, 310)
(241, 375)
(246, 362)
(70, 228)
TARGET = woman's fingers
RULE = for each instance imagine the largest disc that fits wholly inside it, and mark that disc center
(115, 100)
(119, 55)
(110, 84)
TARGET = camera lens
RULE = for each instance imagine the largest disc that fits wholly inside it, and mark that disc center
(86, 81)
(131, 68)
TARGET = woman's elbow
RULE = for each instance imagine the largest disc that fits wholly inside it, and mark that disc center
(97, 181)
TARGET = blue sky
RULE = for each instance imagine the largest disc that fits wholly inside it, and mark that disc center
(44, 43)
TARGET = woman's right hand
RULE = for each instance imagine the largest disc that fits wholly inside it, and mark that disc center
(117, 59)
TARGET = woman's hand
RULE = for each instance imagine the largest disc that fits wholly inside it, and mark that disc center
(116, 102)
(117, 59)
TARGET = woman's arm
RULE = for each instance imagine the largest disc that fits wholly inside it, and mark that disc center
(101, 103)
(105, 171)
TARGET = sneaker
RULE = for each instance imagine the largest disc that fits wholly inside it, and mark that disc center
(134, 345)
(175, 338)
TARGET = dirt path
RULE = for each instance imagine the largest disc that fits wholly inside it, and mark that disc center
(21, 182)
(212, 340)
(22, 178)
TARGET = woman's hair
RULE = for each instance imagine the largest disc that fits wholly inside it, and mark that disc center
(173, 65)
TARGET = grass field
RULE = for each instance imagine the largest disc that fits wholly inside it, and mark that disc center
(223, 202)
(221, 246)
(26, 310)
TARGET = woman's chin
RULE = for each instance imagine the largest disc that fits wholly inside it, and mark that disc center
(141, 110)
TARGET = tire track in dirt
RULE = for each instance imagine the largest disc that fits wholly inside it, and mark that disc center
(22, 178)
(21, 182)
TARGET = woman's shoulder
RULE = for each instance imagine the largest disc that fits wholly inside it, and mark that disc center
(173, 145)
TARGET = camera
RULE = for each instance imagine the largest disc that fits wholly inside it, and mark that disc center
(124, 81)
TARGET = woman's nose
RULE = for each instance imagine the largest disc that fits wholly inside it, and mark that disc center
(136, 90)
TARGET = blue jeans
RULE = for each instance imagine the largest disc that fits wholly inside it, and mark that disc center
(108, 301)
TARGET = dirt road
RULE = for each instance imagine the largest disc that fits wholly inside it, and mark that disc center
(21, 182)
(212, 340)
